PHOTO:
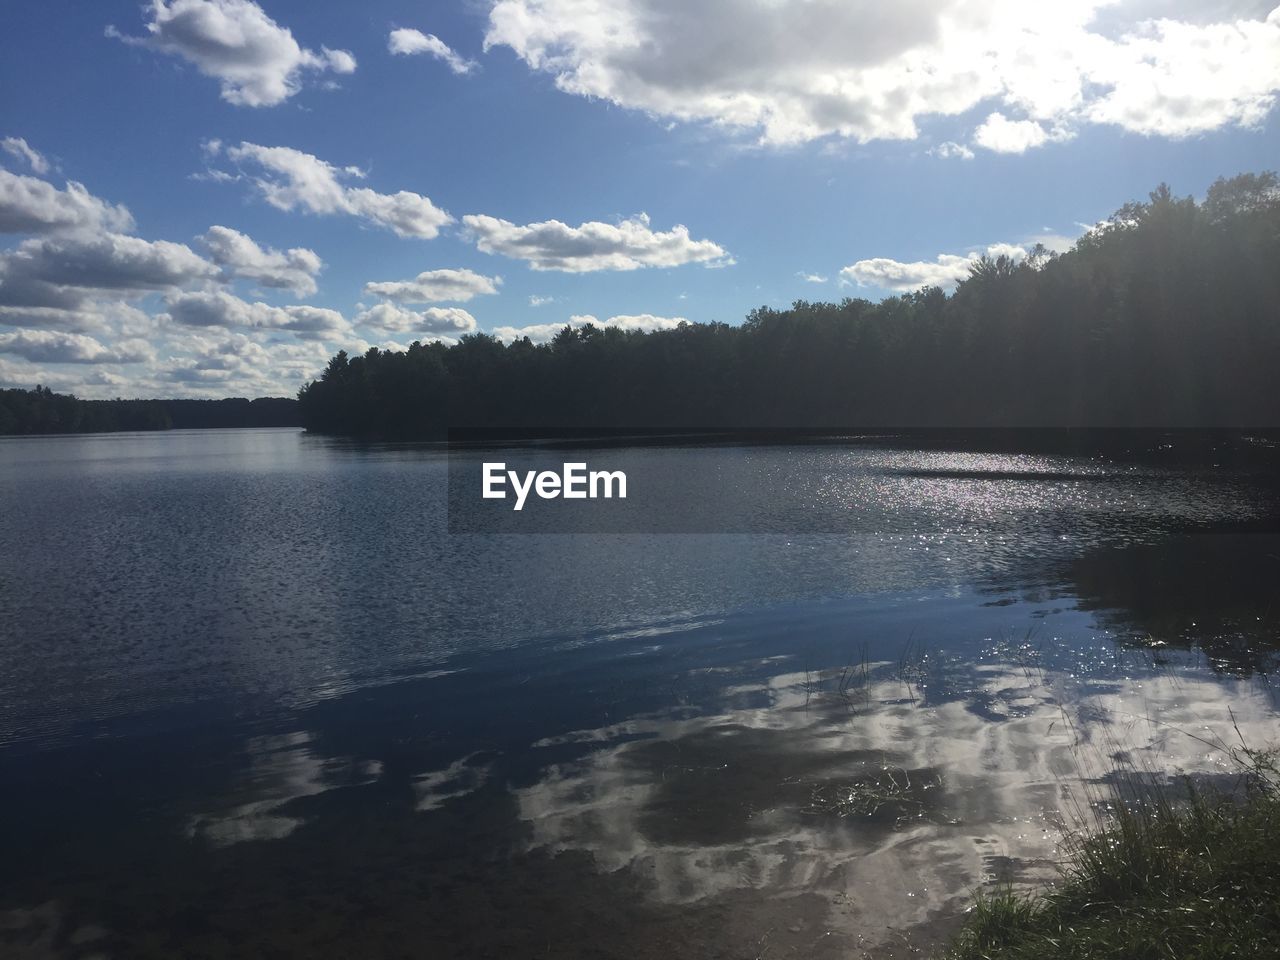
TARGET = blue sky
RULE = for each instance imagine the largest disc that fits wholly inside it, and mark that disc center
(876, 147)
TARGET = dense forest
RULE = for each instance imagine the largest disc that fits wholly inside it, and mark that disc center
(43, 411)
(1166, 314)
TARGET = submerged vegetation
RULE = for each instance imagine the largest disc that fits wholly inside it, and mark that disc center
(1161, 880)
(43, 411)
(1166, 314)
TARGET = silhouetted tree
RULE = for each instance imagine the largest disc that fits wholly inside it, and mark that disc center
(1167, 313)
(43, 411)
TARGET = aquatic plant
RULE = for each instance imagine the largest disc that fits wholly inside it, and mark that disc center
(1163, 876)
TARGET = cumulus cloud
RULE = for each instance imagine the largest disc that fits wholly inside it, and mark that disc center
(1001, 135)
(407, 214)
(108, 261)
(406, 41)
(545, 332)
(83, 316)
(240, 256)
(946, 271)
(308, 322)
(1013, 251)
(436, 286)
(68, 293)
(643, 322)
(47, 346)
(791, 71)
(811, 277)
(31, 205)
(629, 245)
(1055, 242)
(80, 282)
(221, 309)
(289, 179)
(256, 61)
(229, 363)
(19, 149)
(950, 150)
(433, 320)
(219, 364)
(1178, 79)
(537, 332)
(100, 317)
(62, 281)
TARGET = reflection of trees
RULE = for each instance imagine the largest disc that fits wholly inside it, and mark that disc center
(1216, 591)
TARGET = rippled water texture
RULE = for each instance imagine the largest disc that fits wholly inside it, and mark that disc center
(255, 699)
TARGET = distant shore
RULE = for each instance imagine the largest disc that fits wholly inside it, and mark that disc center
(1164, 314)
(41, 411)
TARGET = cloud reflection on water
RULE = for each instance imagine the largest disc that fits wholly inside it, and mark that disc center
(282, 769)
(940, 796)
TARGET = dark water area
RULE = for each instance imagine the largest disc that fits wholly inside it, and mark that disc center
(256, 699)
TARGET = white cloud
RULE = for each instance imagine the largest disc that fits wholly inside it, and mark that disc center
(811, 277)
(436, 286)
(1001, 135)
(211, 175)
(82, 316)
(406, 41)
(240, 364)
(545, 332)
(1054, 242)
(339, 61)
(537, 332)
(889, 274)
(245, 364)
(100, 317)
(408, 214)
(946, 271)
(643, 322)
(232, 366)
(791, 71)
(47, 346)
(1178, 79)
(256, 61)
(67, 297)
(309, 322)
(290, 179)
(19, 149)
(222, 309)
(218, 360)
(433, 320)
(240, 256)
(538, 301)
(108, 261)
(29, 205)
(1011, 250)
(950, 150)
(629, 245)
(57, 281)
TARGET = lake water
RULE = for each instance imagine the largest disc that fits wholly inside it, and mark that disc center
(256, 699)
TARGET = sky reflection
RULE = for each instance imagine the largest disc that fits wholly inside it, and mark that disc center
(893, 806)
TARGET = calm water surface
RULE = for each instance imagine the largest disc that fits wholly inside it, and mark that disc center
(256, 700)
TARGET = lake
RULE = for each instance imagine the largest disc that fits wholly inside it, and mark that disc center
(270, 694)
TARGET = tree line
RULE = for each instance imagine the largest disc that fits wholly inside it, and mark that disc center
(43, 411)
(1166, 314)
